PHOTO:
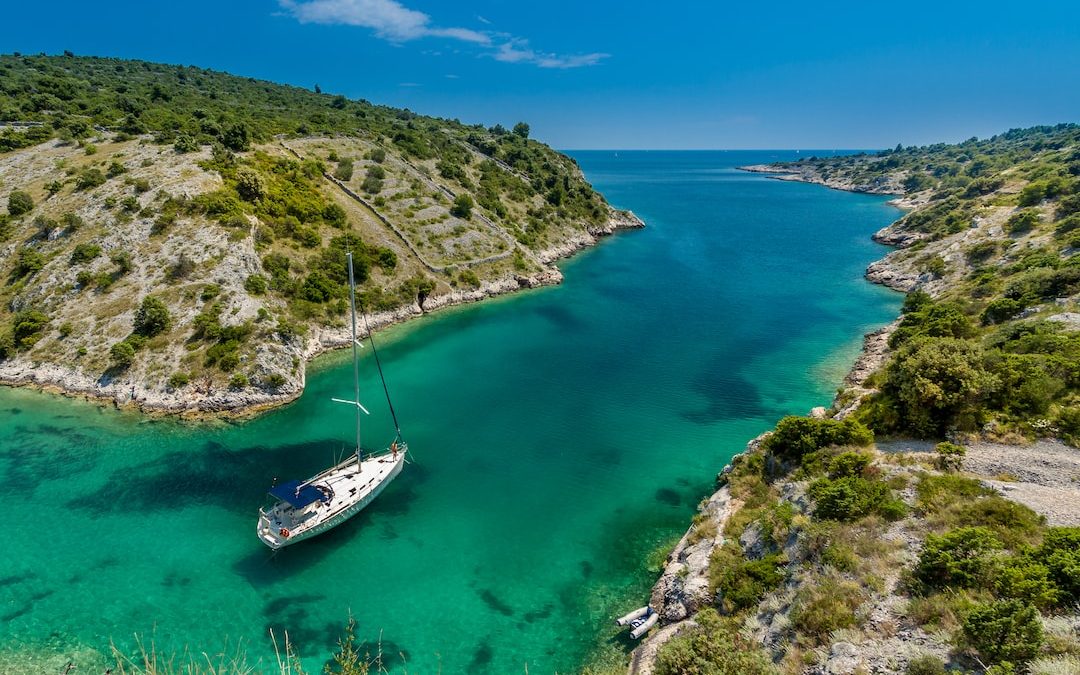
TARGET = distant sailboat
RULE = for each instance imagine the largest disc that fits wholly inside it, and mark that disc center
(306, 508)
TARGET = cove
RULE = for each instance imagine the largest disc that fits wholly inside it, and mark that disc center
(559, 436)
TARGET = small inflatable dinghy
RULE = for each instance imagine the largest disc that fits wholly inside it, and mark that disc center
(640, 621)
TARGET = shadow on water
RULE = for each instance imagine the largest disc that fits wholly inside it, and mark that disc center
(302, 619)
(215, 476)
(560, 317)
(17, 579)
(293, 615)
(495, 603)
(727, 396)
(482, 658)
(34, 460)
(668, 496)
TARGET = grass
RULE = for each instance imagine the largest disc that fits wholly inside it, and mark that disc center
(824, 604)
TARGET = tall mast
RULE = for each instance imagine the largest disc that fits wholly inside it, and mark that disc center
(355, 364)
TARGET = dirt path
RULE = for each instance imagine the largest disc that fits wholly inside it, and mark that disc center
(1044, 476)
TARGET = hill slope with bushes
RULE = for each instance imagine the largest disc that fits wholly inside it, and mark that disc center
(882, 535)
(177, 236)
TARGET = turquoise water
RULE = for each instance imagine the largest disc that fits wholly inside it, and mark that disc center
(559, 436)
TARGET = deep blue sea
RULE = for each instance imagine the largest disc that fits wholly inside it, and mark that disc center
(559, 436)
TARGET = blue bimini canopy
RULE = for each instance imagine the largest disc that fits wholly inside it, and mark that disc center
(298, 496)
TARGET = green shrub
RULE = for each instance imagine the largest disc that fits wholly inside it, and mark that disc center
(936, 492)
(923, 317)
(238, 381)
(1022, 221)
(27, 328)
(1000, 310)
(152, 318)
(849, 465)
(742, 583)
(228, 361)
(178, 380)
(1004, 631)
(29, 261)
(72, 221)
(825, 606)
(1028, 581)
(371, 185)
(714, 647)
(469, 278)
(274, 380)
(462, 207)
(853, 497)
(950, 456)
(1060, 553)
(250, 184)
(122, 354)
(797, 436)
(925, 665)
(89, 178)
(19, 203)
(1068, 424)
(185, 143)
(344, 170)
(209, 292)
(1014, 524)
(84, 253)
(962, 558)
(255, 284)
(982, 251)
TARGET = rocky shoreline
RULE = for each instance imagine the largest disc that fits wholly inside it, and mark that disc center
(196, 403)
(683, 587)
(805, 173)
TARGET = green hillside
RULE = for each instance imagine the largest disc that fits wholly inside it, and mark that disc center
(231, 202)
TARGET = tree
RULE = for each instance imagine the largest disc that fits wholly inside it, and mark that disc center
(89, 178)
(521, 129)
(27, 326)
(19, 203)
(29, 262)
(250, 184)
(938, 382)
(152, 318)
(462, 207)
(122, 354)
(185, 143)
(237, 137)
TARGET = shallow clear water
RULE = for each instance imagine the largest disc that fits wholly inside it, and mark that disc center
(559, 436)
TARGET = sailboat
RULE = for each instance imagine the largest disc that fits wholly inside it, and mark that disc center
(303, 509)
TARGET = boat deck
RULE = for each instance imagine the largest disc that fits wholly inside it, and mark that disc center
(349, 489)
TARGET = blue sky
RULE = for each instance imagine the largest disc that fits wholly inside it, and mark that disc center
(625, 74)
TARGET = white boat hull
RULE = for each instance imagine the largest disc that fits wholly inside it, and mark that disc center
(282, 526)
